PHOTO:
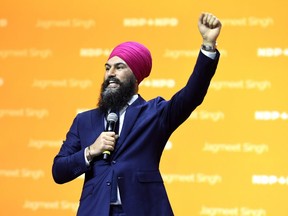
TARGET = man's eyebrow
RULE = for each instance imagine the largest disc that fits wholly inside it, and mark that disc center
(116, 64)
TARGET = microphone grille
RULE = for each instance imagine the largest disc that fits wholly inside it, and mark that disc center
(112, 117)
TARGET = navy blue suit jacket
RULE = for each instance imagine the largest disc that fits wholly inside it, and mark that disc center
(146, 129)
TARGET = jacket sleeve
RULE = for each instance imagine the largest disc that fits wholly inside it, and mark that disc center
(70, 163)
(181, 105)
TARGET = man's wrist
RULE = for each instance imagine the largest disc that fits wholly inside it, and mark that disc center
(89, 156)
(209, 47)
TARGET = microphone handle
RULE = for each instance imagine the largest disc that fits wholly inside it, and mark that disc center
(110, 127)
(106, 155)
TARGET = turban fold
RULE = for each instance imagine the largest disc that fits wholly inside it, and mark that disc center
(136, 56)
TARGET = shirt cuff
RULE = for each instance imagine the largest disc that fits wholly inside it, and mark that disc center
(86, 160)
(211, 55)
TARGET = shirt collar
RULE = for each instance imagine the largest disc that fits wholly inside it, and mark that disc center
(134, 98)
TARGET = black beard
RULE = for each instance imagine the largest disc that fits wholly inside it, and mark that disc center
(118, 98)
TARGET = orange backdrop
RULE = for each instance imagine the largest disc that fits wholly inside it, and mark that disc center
(228, 158)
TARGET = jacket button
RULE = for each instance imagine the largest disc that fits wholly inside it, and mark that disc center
(108, 183)
(113, 162)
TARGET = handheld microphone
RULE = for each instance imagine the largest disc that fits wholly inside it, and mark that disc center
(112, 118)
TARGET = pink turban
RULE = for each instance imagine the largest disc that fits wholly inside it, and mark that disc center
(136, 56)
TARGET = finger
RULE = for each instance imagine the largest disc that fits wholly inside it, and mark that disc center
(109, 136)
(215, 23)
(109, 142)
(205, 19)
(210, 20)
(201, 21)
(109, 147)
(110, 133)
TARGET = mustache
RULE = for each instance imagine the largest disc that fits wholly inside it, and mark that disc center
(111, 79)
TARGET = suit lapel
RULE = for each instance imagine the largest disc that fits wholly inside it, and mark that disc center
(97, 118)
(131, 116)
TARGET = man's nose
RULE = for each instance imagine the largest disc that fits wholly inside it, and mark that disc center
(112, 71)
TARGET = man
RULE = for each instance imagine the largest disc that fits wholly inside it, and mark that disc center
(131, 174)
